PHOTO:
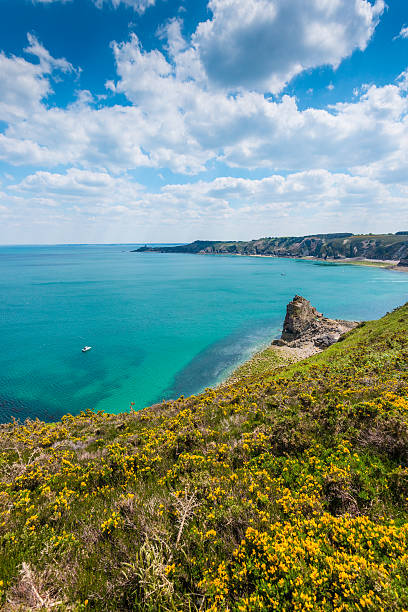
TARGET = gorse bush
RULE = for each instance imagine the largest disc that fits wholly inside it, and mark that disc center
(286, 490)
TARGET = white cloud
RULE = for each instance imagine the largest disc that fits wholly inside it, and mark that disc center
(117, 137)
(179, 123)
(263, 44)
(341, 137)
(223, 208)
(47, 63)
(75, 183)
(247, 129)
(140, 6)
(23, 84)
(175, 120)
(403, 33)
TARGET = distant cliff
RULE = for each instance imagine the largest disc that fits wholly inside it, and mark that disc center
(332, 246)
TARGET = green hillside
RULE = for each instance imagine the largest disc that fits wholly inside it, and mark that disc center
(286, 490)
(388, 247)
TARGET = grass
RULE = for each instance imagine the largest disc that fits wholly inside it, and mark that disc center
(262, 362)
(286, 490)
(373, 264)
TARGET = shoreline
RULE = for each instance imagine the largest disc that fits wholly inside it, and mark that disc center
(266, 361)
(385, 264)
(305, 332)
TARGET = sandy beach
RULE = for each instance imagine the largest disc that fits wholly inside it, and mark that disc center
(387, 264)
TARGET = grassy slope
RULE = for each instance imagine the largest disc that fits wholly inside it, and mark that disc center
(263, 362)
(287, 491)
(374, 264)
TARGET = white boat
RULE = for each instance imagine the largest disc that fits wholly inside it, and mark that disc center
(86, 348)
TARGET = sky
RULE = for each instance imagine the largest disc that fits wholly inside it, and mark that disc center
(168, 121)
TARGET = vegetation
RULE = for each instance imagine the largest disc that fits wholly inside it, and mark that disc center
(334, 246)
(263, 362)
(368, 263)
(286, 490)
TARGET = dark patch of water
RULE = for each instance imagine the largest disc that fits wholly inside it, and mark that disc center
(217, 360)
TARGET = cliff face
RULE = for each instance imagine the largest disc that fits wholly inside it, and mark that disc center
(300, 317)
(392, 247)
(305, 327)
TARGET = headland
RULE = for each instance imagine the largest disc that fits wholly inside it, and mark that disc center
(385, 250)
(305, 332)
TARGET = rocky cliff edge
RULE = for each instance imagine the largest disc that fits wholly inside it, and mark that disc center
(306, 328)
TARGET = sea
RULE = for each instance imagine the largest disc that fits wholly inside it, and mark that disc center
(160, 325)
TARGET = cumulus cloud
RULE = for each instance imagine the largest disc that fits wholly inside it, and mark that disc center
(76, 182)
(251, 131)
(263, 44)
(178, 117)
(226, 207)
(176, 122)
(118, 138)
(23, 84)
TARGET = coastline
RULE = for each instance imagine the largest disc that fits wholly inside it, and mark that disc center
(266, 361)
(386, 264)
(388, 251)
(273, 356)
(305, 332)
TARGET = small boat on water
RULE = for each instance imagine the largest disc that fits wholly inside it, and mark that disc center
(86, 348)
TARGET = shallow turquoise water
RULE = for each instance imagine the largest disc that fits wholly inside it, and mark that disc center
(160, 325)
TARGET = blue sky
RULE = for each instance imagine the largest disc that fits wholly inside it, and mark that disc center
(161, 121)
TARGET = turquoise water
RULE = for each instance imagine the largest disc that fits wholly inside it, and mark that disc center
(160, 325)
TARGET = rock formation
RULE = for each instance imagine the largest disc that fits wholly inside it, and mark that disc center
(305, 327)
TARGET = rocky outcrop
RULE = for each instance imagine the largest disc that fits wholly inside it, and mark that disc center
(305, 327)
(300, 317)
(403, 263)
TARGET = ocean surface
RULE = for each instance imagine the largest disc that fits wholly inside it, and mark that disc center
(160, 325)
